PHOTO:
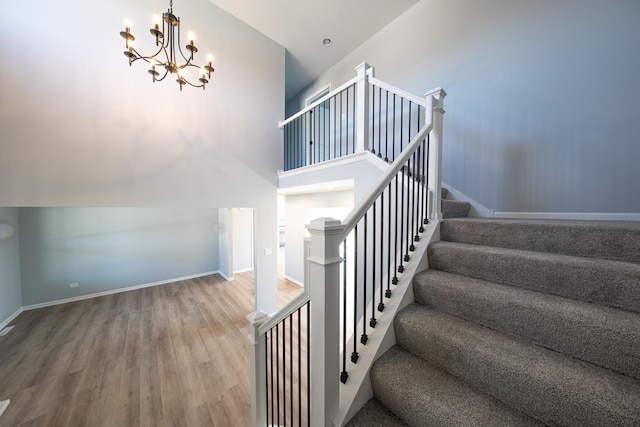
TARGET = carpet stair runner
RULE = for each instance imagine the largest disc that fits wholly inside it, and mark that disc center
(517, 323)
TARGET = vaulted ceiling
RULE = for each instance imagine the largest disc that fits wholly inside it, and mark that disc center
(301, 25)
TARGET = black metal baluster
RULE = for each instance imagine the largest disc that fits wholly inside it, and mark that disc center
(412, 182)
(291, 365)
(406, 218)
(355, 121)
(388, 291)
(335, 127)
(271, 399)
(316, 137)
(381, 303)
(401, 219)
(401, 126)
(299, 369)
(344, 375)
(397, 252)
(373, 322)
(341, 97)
(425, 219)
(379, 122)
(308, 365)
(393, 139)
(278, 373)
(373, 125)
(418, 220)
(386, 131)
(354, 355)
(364, 338)
(311, 137)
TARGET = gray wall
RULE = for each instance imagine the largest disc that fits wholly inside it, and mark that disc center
(82, 128)
(10, 293)
(104, 249)
(542, 112)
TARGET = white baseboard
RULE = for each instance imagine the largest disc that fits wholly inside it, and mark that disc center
(589, 216)
(291, 279)
(244, 270)
(10, 318)
(115, 291)
(225, 277)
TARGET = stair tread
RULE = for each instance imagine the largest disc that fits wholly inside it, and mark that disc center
(374, 413)
(613, 283)
(553, 388)
(602, 335)
(615, 240)
(423, 395)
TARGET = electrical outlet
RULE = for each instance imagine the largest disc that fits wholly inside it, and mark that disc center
(73, 285)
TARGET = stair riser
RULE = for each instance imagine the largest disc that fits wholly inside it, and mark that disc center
(612, 241)
(600, 335)
(552, 388)
(610, 283)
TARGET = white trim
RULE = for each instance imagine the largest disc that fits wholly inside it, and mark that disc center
(10, 318)
(115, 291)
(590, 216)
(296, 281)
(243, 270)
(340, 161)
(225, 277)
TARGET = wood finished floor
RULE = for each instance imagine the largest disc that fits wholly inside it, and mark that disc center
(170, 355)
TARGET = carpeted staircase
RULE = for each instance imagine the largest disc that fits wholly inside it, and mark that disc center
(517, 323)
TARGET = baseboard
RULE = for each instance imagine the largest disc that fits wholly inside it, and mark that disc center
(244, 270)
(291, 279)
(10, 318)
(115, 291)
(589, 216)
(225, 277)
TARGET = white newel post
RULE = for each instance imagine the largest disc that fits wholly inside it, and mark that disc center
(435, 154)
(362, 106)
(258, 371)
(324, 289)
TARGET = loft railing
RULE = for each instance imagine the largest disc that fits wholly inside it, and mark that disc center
(364, 114)
(352, 268)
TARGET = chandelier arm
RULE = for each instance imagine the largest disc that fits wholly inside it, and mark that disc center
(162, 78)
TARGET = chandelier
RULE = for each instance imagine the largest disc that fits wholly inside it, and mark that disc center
(168, 43)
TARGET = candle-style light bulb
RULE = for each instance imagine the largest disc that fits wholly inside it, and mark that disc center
(210, 59)
(192, 37)
(156, 21)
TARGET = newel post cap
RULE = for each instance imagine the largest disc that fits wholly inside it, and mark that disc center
(325, 225)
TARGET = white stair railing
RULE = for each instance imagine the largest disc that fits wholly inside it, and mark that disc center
(391, 218)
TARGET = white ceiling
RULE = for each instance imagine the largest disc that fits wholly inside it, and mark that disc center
(300, 26)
